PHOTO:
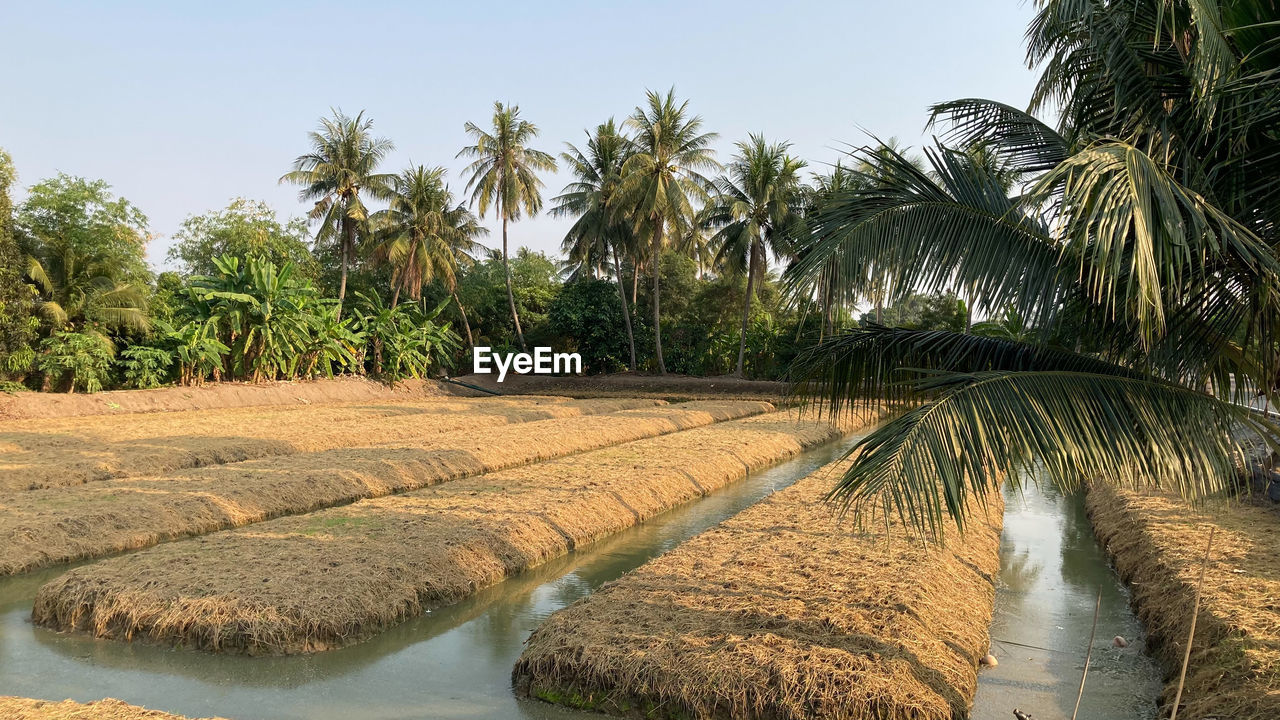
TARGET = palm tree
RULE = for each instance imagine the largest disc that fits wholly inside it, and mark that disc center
(75, 290)
(424, 236)
(342, 164)
(598, 235)
(504, 174)
(661, 181)
(1146, 236)
(755, 211)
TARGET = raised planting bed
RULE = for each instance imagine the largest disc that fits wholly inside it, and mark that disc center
(782, 612)
(66, 524)
(330, 578)
(16, 708)
(1157, 542)
(36, 454)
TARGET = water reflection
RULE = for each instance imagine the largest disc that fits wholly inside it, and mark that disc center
(1051, 572)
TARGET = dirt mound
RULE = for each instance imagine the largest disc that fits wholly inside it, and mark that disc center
(36, 454)
(667, 387)
(18, 406)
(16, 708)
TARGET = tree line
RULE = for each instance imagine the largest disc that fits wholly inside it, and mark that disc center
(386, 273)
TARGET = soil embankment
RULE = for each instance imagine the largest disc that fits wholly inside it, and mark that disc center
(1158, 544)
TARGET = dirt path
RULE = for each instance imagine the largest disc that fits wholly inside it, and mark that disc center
(18, 406)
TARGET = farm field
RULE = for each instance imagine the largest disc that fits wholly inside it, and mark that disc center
(321, 580)
(781, 611)
(61, 525)
(44, 453)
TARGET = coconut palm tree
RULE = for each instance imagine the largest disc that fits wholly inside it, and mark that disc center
(598, 236)
(1146, 233)
(504, 174)
(662, 182)
(337, 175)
(755, 211)
(424, 236)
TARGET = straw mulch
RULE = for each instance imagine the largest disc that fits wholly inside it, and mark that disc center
(1158, 542)
(16, 708)
(66, 524)
(783, 611)
(37, 454)
(318, 581)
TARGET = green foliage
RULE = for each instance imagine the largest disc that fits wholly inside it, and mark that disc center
(86, 252)
(404, 341)
(936, 311)
(587, 315)
(245, 228)
(18, 325)
(76, 359)
(273, 322)
(144, 367)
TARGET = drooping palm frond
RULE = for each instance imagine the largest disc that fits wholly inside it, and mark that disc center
(943, 458)
(1028, 144)
(873, 365)
(952, 228)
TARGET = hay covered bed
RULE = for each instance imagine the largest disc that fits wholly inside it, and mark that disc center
(60, 525)
(781, 612)
(329, 578)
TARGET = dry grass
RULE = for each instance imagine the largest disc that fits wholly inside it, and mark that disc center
(37, 454)
(1158, 543)
(66, 524)
(318, 581)
(16, 708)
(781, 612)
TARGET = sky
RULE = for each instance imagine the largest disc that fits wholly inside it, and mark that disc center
(182, 107)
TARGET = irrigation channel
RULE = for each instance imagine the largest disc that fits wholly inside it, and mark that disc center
(455, 662)
(1051, 570)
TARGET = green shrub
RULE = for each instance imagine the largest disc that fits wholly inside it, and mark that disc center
(145, 367)
(78, 360)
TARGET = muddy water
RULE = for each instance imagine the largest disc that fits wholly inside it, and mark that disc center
(1052, 570)
(454, 662)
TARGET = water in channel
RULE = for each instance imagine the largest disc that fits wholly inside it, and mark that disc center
(455, 662)
(1051, 570)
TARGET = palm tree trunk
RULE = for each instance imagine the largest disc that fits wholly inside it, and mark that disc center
(348, 242)
(657, 300)
(511, 296)
(626, 313)
(635, 279)
(470, 342)
(746, 308)
(395, 296)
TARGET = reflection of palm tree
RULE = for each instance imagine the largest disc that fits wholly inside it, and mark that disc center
(1018, 571)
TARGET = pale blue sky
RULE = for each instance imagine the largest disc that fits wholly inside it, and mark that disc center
(183, 106)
